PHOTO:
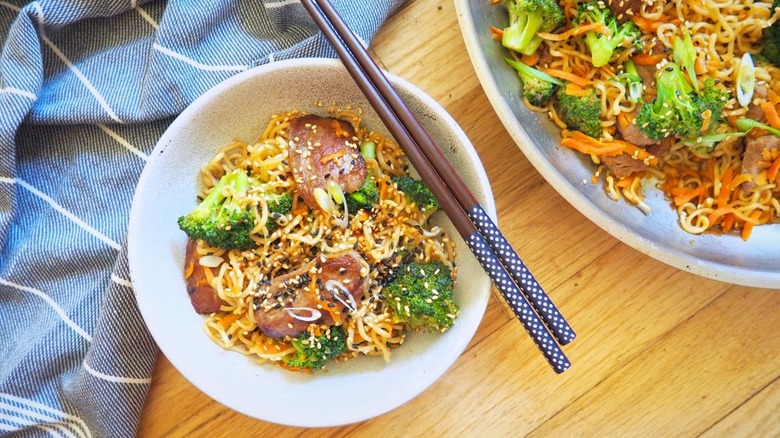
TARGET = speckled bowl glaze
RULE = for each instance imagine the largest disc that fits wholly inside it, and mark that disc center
(658, 234)
(345, 392)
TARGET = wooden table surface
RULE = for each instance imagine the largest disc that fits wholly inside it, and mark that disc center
(659, 351)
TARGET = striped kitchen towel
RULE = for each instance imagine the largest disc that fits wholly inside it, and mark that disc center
(86, 89)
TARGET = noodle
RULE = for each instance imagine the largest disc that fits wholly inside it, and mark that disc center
(722, 31)
(392, 225)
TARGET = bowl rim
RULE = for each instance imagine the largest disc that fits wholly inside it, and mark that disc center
(684, 262)
(135, 252)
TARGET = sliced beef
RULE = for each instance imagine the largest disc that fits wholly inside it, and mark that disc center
(311, 292)
(754, 111)
(323, 148)
(624, 9)
(647, 73)
(623, 165)
(631, 133)
(203, 297)
(757, 156)
(661, 148)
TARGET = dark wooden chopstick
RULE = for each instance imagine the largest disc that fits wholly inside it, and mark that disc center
(462, 215)
(495, 239)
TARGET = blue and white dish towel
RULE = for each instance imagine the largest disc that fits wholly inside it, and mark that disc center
(86, 89)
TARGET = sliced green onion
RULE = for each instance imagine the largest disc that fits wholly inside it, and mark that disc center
(684, 54)
(746, 125)
(368, 150)
(538, 74)
(706, 143)
(746, 80)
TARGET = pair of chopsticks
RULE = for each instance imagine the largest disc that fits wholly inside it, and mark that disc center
(538, 315)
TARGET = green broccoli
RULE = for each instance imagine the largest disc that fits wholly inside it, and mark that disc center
(312, 352)
(421, 296)
(220, 219)
(365, 197)
(278, 204)
(538, 87)
(580, 112)
(770, 51)
(417, 192)
(602, 46)
(677, 109)
(368, 194)
(526, 18)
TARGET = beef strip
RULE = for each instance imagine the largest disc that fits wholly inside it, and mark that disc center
(624, 9)
(308, 288)
(323, 148)
(203, 297)
(754, 111)
(623, 165)
(756, 155)
(631, 133)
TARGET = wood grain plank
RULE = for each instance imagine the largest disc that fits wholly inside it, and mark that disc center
(698, 372)
(758, 416)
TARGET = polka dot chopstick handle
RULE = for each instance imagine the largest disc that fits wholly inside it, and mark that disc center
(522, 276)
(519, 304)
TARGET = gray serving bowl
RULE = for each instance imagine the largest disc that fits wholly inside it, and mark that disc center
(657, 234)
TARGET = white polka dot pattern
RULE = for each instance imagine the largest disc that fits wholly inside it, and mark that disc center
(519, 304)
(522, 276)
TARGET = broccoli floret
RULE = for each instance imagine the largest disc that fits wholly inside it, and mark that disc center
(526, 18)
(219, 219)
(677, 109)
(580, 111)
(365, 197)
(538, 87)
(602, 46)
(312, 352)
(417, 192)
(278, 204)
(421, 296)
(771, 38)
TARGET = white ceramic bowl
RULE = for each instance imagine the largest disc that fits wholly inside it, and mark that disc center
(345, 392)
(658, 234)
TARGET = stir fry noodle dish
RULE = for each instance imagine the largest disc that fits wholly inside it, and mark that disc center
(313, 244)
(682, 93)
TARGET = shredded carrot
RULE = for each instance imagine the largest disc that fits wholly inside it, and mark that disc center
(747, 229)
(647, 26)
(699, 66)
(728, 222)
(772, 96)
(607, 71)
(590, 150)
(496, 33)
(531, 59)
(589, 145)
(575, 31)
(334, 156)
(624, 119)
(573, 89)
(645, 59)
(771, 173)
(739, 179)
(771, 114)
(189, 269)
(567, 76)
(301, 210)
(383, 189)
(725, 181)
(688, 194)
(229, 319)
(717, 213)
(209, 275)
(625, 183)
